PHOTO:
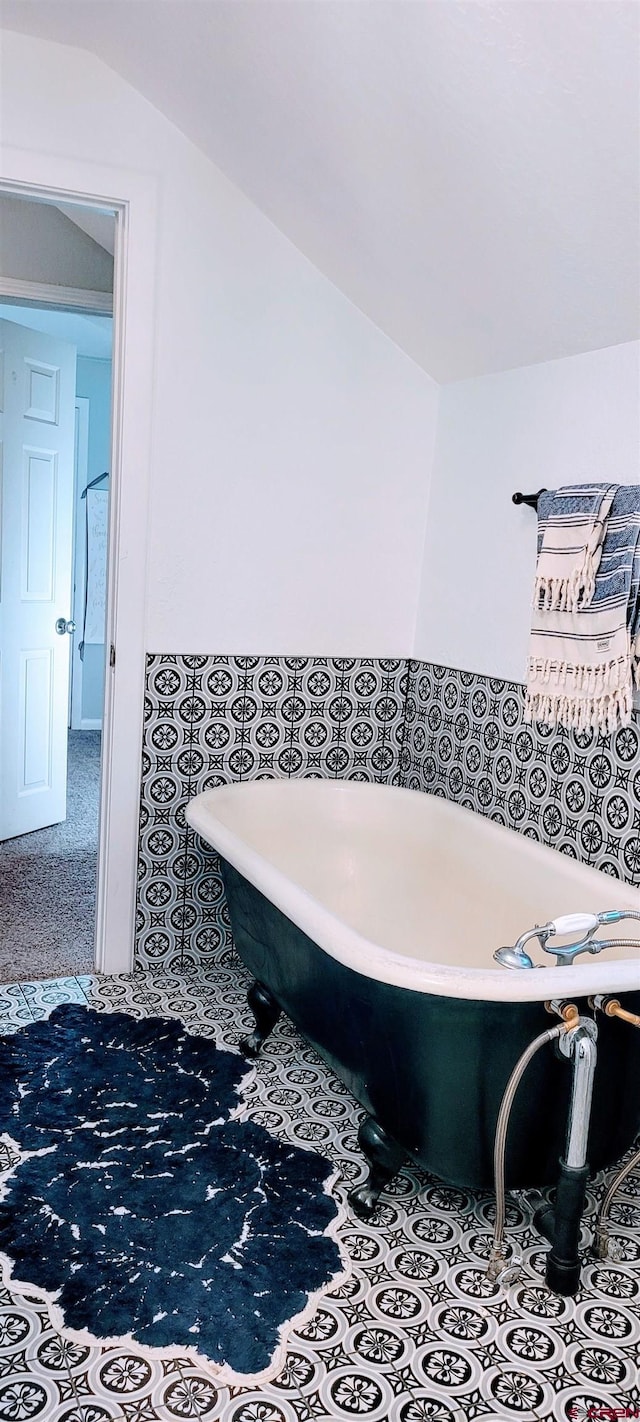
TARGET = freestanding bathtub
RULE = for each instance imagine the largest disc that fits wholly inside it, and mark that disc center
(370, 914)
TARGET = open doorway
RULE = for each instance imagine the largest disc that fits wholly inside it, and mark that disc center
(56, 415)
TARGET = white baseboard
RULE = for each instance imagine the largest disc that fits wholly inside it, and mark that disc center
(88, 725)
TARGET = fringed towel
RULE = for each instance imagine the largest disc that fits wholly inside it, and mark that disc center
(571, 525)
(583, 660)
(634, 620)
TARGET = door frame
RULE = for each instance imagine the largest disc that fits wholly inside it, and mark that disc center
(133, 198)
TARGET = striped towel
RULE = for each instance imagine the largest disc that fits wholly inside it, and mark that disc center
(634, 615)
(583, 659)
(571, 524)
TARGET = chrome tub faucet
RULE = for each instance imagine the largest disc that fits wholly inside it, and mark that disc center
(585, 925)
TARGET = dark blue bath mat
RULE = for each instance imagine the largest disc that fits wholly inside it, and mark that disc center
(141, 1209)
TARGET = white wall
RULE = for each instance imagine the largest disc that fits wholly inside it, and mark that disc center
(291, 439)
(539, 426)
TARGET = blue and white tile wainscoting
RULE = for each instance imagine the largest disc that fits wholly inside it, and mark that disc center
(466, 738)
(211, 720)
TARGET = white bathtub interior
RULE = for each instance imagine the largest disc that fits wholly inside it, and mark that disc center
(408, 873)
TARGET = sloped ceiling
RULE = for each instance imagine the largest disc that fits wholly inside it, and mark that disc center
(39, 243)
(466, 173)
(98, 225)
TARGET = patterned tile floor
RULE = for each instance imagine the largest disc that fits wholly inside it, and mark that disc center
(418, 1334)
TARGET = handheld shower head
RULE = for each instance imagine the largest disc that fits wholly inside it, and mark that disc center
(513, 958)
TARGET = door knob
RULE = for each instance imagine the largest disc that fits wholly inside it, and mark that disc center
(64, 624)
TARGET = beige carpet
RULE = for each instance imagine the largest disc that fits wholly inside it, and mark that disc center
(48, 881)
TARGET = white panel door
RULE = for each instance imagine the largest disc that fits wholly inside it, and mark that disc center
(37, 395)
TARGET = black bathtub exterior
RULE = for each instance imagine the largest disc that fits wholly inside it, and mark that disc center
(432, 1070)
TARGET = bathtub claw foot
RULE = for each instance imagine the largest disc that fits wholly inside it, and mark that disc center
(385, 1157)
(266, 1012)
